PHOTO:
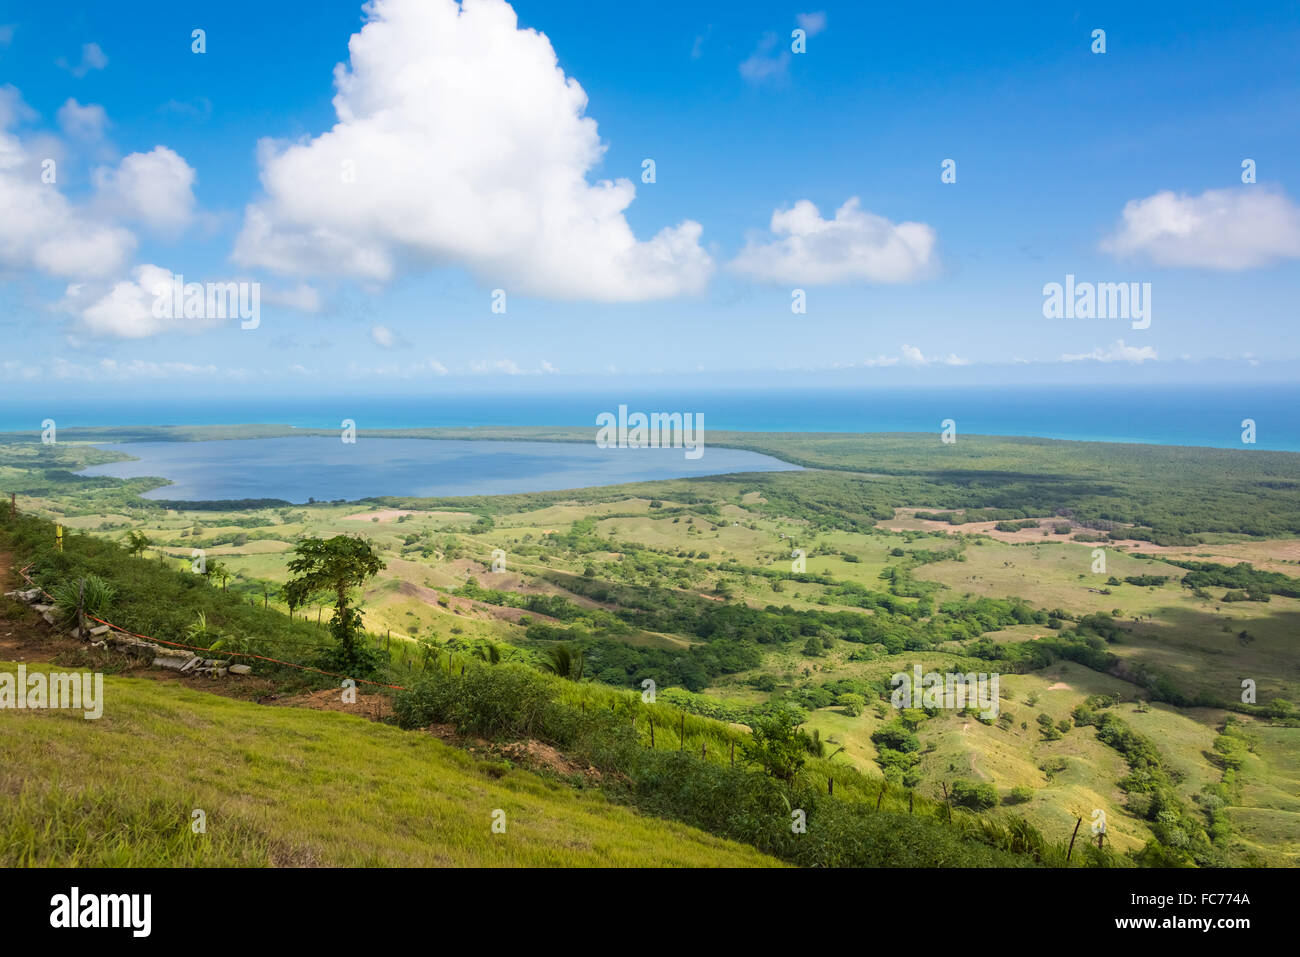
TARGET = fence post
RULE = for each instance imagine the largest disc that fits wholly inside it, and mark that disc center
(1072, 837)
(830, 785)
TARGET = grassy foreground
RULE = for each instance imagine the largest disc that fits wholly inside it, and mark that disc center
(292, 787)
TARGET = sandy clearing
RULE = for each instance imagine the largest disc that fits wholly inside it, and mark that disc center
(383, 514)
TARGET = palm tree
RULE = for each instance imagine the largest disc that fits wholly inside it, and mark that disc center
(489, 652)
(136, 542)
(561, 661)
(215, 569)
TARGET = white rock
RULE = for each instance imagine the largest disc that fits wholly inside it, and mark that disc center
(240, 670)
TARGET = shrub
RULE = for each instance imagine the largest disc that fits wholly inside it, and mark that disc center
(89, 595)
(977, 797)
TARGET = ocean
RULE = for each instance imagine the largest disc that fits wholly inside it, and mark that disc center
(1210, 415)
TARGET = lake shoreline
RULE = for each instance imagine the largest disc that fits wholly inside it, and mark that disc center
(301, 468)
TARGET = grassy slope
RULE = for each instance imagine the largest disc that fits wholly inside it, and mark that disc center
(286, 786)
(1192, 640)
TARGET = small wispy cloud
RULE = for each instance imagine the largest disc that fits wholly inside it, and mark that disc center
(1116, 352)
(915, 358)
(811, 23)
(510, 367)
(766, 63)
(92, 58)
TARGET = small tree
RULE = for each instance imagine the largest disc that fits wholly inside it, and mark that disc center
(218, 571)
(137, 542)
(338, 565)
(777, 745)
(852, 704)
(977, 797)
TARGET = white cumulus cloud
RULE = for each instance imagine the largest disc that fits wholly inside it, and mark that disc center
(126, 310)
(854, 246)
(154, 188)
(1229, 229)
(460, 141)
(41, 229)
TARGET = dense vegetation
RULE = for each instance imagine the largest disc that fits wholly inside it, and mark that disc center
(1170, 494)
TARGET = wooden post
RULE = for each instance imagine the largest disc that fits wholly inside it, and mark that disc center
(1072, 837)
(318, 616)
(1101, 836)
(911, 795)
(830, 785)
(945, 799)
(704, 750)
(881, 797)
(58, 537)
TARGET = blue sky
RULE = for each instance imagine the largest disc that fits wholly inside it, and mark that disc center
(476, 168)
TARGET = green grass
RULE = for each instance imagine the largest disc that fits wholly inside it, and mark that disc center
(286, 786)
(1218, 496)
